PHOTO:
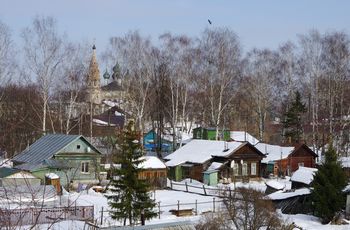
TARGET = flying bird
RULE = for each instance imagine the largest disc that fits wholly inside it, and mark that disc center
(209, 21)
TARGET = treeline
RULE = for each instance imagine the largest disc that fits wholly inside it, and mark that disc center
(207, 80)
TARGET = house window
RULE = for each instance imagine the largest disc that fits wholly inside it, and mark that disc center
(235, 169)
(84, 167)
(301, 164)
(78, 146)
(244, 169)
(253, 169)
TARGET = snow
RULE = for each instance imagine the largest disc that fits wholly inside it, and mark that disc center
(151, 162)
(243, 136)
(304, 175)
(185, 137)
(280, 195)
(200, 151)
(273, 152)
(308, 222)
(168, 200)
(110, 103)
(275, 184)
(345, 162)
(100, 122)
(214, 166)
(52, 176)
(21, 175)
(6, 163)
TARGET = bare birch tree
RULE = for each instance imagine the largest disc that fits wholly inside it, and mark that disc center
(262, 74)
(43, 55)
(311, 71)
(134, 53)
(220, 57)
(175, 51)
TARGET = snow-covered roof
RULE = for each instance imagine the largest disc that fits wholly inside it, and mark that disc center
(304, 175)
(200, 151)
(275, 184)
(214, 166)
(151, 162)
(6, 163)
(22, 175)
(243, 136)
(100, 122)
(52, 176)
(110, 103)
(184, 136)
(280, 195)
(273, 152)
(345, 162)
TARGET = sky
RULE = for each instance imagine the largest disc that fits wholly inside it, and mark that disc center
(258, 23)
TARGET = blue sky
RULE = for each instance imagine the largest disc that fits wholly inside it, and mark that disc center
(258, 23)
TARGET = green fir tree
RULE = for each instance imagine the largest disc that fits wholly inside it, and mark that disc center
(292, 124)
(329, 181)
(129, 198)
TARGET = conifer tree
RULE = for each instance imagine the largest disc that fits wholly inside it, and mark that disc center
(292, 124)
(329, 181)
(129, 198)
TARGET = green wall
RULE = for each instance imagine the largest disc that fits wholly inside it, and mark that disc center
(209, 134)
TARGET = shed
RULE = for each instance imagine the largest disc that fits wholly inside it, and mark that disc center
(154, 171)
(15, 177)
(303, 177)
(210, 177)
(209, 133)
(53, 179)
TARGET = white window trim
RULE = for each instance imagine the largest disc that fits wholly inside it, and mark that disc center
(88, 166)
(253, 169)
(244, 169)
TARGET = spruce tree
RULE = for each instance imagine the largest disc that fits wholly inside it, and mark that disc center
(329, 181)
(129, 198)
(292, 124)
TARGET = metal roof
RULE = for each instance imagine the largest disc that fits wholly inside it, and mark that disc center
(46, 147)
(5, 172)
(47, 163)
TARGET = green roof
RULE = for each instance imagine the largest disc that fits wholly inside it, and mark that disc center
(5, 172)
(48, 146)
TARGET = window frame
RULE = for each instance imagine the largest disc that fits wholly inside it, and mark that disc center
(84, 167)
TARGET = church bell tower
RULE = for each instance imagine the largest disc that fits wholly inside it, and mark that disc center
(93, 86)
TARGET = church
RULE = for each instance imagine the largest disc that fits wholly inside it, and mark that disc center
(100, 110)
(96, 94)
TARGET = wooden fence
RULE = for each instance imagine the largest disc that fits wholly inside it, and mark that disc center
(201, 189)
(32, 216)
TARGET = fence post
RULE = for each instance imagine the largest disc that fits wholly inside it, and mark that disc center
(186, 186)
(159, 209)
(213, 204)
(75, 208)
(102, 216)
(171, 184)
(196, 208)
(178, 206)
(205, 192)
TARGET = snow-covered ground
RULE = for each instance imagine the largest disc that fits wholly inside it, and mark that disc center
(168, 199)
(308, 222)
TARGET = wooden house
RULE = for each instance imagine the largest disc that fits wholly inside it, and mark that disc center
(151, 142)
(283, 161)
(235, 160)
(154, 171)
(72, 157)
(210, 133)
